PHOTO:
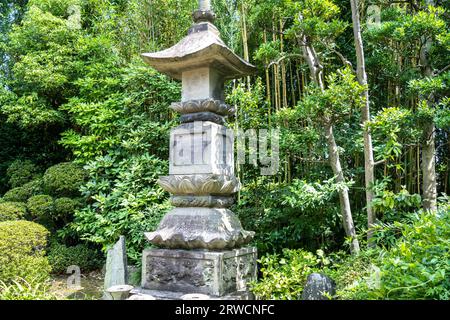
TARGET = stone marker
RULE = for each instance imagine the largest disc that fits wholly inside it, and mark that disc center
(116, 267)
(318, 286)
(202, 242)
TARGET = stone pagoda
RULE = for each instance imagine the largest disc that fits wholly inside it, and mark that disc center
(201, 243)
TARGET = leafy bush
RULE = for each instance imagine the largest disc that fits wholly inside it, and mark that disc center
(416, 267)
(291, 216)
(20, 172)
(394, 206)
(21, 289)
(12, 211)
(61, 257)
(19, 194)
(23, 193)
(63, 180)
(65, 207)
(125, 200)
(284, 276)
(41, 206)
(22, 245)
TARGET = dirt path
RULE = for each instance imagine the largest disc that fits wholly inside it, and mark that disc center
(91, 287)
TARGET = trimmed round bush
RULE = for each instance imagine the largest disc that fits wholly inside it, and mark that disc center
(12, 211)
(64, 180)
(41, 206)
(20, 172)
(22, 254)
(65, 207)
(19, 194)
(23, 193)
(61, 257)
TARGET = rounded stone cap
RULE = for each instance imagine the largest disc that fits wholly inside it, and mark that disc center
(141, 297)
(195, 296)
(120, 288)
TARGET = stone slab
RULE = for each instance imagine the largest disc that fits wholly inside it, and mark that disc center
(116, 266)
(212, 273)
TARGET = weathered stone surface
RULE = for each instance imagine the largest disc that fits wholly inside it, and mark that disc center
(200, 228)
(202, 201)
(192, 106)
(202, 83)
(203, 272)
(200, 184)
(116, 266)
(318, 286)
(201, 147)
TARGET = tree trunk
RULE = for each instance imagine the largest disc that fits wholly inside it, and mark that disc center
(429, 168)
(428, 145)
(315, 67)
(365, 117)
(245, 39)
(344, 199)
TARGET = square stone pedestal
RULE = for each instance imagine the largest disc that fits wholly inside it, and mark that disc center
(216, 274)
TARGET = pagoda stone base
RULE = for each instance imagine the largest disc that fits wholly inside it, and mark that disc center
(216, 274)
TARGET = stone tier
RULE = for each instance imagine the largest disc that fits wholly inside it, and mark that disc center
(200, 184)
(203, 105)
(202, 272)
(200, 228)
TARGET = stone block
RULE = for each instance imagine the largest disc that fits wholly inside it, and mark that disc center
(202, 272)
(201, 147)
(202, 83)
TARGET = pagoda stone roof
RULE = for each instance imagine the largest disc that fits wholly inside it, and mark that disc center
(202, 47)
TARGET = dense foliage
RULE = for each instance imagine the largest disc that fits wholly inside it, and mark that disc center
(22, 250)
(84, 135)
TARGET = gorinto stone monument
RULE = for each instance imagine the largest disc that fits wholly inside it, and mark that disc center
(202, 245)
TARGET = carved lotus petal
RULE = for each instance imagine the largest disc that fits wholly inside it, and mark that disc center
(211, 186)
(166, 184)
(186, 186)
(192, 105)
(228, 186)
(177, 106)
(208, 104)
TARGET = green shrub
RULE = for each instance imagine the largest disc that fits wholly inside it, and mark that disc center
(41, 206)
(21, 289)
(23, 193)
(19, 194)
(22, 254)
(415, 267)
(65, 207)
(61, 257)
(12, 211)
(63, 180)
(284, 277)
(21, 172)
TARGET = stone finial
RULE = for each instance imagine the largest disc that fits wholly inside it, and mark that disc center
(204, 5)
(204, 12)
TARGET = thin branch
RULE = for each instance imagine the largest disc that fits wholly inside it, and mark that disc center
(284, 57)
(442, 70)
